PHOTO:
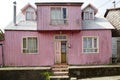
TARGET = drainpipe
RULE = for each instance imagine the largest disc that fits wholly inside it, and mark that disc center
(2, 55)
(14, 11)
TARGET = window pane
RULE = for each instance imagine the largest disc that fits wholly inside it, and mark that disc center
(35, 44)
(24, 42)
(95, 42)
(85, 43)
(58, 15)
(64, 13)
(89, 43)
(86, 15)
(91, 15)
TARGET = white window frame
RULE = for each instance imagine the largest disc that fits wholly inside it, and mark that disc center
(27, 46)
(30, 16)
(88, 16)
(64, 19)
(97, 45)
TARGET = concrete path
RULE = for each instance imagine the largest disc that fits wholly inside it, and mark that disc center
(103, 78)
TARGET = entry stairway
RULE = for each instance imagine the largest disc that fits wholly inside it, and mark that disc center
(60, 72)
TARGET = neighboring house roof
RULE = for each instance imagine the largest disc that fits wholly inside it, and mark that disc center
(97, 23)
(113, 16)
(90, 5)
(112, 9)
(1, 35)
(22, 24)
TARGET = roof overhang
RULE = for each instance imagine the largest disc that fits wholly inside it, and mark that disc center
(59, 3)
(112, 9)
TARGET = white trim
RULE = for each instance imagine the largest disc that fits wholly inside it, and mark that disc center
(26, 37)
(88, 17)
(92, 45)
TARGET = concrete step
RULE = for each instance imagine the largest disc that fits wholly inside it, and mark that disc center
(59, 69)
(59, 77)
(60, 66)
(65, 72)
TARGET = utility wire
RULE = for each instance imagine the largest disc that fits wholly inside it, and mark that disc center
(108, 1)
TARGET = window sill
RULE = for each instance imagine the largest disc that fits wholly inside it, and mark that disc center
(90, 52)
(30, 53)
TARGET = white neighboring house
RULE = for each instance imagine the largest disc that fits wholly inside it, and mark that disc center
(113, 16)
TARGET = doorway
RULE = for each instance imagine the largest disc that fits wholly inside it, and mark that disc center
(60, 49)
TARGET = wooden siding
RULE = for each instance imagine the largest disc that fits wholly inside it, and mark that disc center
(115, 46)
(73, 16)
(45, 55)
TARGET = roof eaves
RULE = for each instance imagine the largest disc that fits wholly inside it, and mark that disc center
(58, 3)
(107, 11)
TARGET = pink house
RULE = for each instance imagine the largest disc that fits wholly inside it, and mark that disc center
(57, 33)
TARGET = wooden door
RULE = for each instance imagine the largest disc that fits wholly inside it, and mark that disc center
(58, 52)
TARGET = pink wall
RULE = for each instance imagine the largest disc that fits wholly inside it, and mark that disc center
(0, 55)
(74, 18)
(76, 56)
(14, 55)
(45, 56)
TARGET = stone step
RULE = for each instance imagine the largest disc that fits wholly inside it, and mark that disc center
(60, 73)
(59, 77)
(73, 78)
(59, 69)
(60, 66)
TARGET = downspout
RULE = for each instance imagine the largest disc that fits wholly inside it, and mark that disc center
(14, 11)
(2, 55)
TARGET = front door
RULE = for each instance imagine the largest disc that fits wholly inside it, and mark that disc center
(60, 50)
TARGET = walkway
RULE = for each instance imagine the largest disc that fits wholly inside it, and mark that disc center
(103, 78)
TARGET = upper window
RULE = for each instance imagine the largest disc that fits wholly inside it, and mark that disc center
(58, 15)
(29, 45)
(90, 44)
(30, 14)
(88, 15)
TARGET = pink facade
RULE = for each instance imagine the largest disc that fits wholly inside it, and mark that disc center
(46, 54)
(49, 47)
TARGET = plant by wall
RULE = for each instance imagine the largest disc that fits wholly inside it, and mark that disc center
(47, 75)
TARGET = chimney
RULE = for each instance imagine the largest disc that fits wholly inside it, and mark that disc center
(114, 2)
(14, 13)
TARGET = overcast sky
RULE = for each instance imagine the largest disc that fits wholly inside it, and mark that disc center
(6, 7)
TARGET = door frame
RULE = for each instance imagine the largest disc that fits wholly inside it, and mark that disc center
(60, 40)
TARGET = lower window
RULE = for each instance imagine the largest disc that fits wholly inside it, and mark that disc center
(29, 45)
(90, 44)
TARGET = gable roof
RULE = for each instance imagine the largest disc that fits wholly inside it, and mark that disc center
(26, 6)
(90, 5)
(22, 24)
(112, 9)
